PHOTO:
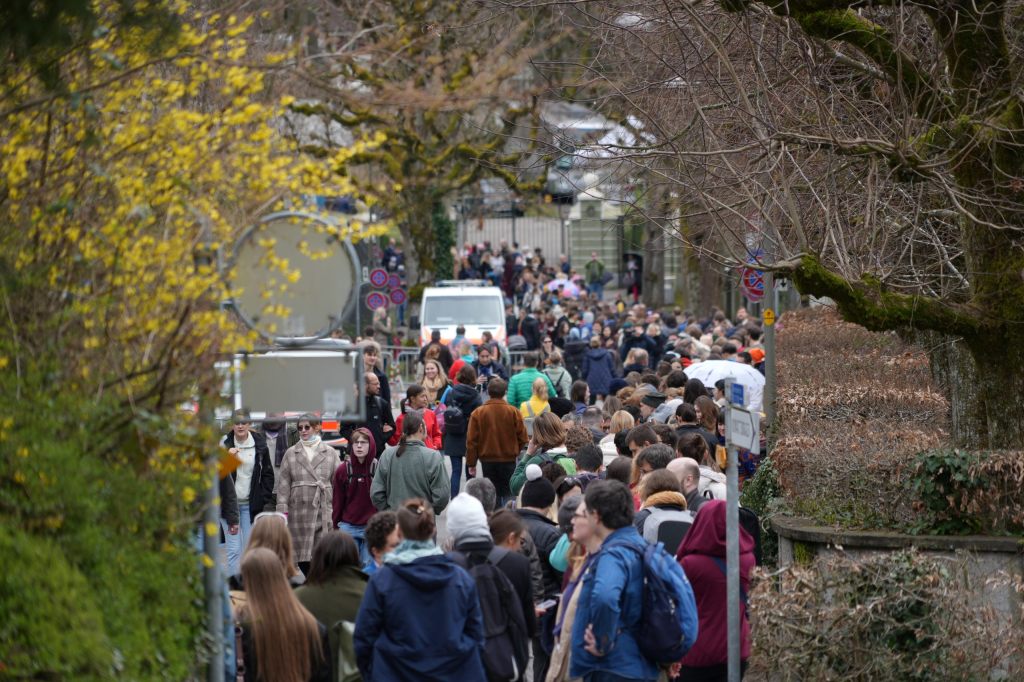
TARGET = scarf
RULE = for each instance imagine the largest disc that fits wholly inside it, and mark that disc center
(434, 387)
(665, 497)
(410, 550)
(310, 447)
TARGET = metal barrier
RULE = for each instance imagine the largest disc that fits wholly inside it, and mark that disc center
(407, 358)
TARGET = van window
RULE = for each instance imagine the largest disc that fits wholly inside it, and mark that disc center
(441, 311)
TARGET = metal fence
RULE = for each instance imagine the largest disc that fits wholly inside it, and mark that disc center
(528, 231)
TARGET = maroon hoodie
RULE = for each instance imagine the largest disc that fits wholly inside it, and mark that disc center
(704, 540)
(351, 483)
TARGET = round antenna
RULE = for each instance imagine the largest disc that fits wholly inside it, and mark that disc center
(296, 277)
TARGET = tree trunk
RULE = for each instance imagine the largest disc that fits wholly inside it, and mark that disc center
(653, 293)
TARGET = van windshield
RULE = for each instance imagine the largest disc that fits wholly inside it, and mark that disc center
(441, 311)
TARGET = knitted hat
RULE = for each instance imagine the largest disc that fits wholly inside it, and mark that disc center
(560, 406)
(757, 355)
(538, 491)
(467, 520)
(617, 385)
(565, 512)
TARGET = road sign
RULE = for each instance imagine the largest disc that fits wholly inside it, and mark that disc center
(376, 300)
(743, 429)
(752, 284)
(394, 282)
(398, 296)
(768, 316)
(736, 395)
(379, 278)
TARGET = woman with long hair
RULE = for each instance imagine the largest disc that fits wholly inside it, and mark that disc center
(621, 421)
(434, 381)
(411, 469)
(271, 532)
(707, 417)
(420, 617)
(417, 402)
(281, 640)
(546, 445)
(336, 585)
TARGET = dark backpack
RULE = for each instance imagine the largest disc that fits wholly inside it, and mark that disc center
(505, 652)
(661, 634)
(667, 526)
(455, 422)
(349, 477)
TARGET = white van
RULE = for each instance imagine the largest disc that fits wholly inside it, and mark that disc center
(475, 306)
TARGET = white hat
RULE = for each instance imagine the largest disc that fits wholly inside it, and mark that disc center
(467, 520)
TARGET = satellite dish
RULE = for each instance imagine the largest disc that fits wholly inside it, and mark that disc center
(296, 277)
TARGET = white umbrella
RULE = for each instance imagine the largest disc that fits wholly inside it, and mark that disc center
(710, 371)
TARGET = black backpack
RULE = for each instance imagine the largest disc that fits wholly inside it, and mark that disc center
(455, 422)
(506, 640)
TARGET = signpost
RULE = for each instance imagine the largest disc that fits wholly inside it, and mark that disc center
(738, 433)
(379, 278)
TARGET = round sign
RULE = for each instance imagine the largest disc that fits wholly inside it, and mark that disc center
(376, 300)
(398, 296)
(293, 276)
(379, 278)
(769, 317)
(752, 284)
(394, 282)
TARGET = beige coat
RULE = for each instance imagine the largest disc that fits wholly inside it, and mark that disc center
(304, 493)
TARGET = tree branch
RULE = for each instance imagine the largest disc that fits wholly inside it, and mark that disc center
(868, 303)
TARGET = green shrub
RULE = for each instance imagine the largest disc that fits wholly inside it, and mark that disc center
(100, 579)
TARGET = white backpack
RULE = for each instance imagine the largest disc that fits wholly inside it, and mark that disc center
(667, 526)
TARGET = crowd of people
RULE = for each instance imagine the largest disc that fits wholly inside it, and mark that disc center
(556, 473)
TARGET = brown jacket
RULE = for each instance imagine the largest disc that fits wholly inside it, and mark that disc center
(496, 433)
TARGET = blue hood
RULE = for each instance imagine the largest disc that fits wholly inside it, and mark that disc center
(427, 574)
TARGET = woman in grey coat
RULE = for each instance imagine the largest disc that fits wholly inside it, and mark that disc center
(409, 470)
(304, 490)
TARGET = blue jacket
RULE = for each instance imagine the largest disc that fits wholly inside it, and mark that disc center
(598, 370)
(420, 621)
(611, 599)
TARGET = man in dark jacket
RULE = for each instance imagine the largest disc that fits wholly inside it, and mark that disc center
(636, 338)
(279, 436)
(445, 357)
(371, 356)
(537, 496)
(379, 419)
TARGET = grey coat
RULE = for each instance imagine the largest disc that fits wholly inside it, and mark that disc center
(304, 493)
(419, 472)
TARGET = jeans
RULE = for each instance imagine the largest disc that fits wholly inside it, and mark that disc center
(358, 534)
(596, 288)
(456, 473)
(235, 544)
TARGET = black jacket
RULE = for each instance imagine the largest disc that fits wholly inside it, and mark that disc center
(378, 414)
(467, 398)
(708, 437)
(261, 487)
(320, 673)
(516, 568)
(545, 534)
(228, 504)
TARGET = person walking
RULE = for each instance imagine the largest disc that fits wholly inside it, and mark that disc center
(594, 270)
(420, 617)
(434, 381)
(604, 641)
(495, 437)
(559, 375)
(412, 469)
(417, 402)
(462, 401)
(335, 587)
(519, 386)
(598, 369)
(281, 640)
(537, 404)
(253, 481)
(305, 491)
(380, 422)
(351, 507)
(546, 445)
(702, 556)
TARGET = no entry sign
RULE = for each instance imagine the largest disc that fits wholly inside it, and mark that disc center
(379, 278)
(376, 300)
(752, 284)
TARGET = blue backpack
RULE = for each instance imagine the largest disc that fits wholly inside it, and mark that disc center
(668, 621)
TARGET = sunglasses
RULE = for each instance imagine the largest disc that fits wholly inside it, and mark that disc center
(307, 427)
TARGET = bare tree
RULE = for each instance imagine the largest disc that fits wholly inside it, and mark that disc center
(872, 152)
